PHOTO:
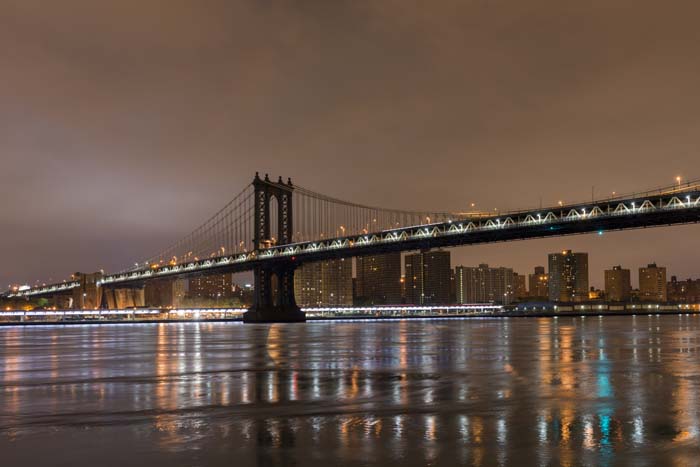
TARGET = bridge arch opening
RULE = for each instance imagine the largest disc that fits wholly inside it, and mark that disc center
(274, 213)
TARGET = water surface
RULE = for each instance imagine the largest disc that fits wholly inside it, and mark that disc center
(521, 391)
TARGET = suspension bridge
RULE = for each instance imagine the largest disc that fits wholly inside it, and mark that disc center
(272, 227)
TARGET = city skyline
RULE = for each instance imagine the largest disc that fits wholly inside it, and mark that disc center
(595, 279)
(484, 283)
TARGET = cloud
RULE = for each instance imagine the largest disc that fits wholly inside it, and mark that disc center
(146, 116)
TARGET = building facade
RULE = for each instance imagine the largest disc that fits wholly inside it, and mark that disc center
(211, 286)
(652, 284)
(539, 284)
(483, 284)
(520, 286)
(568, 276)
(378, 280)
(427, 278)
(687, 291)
(618, 285)
(324, 283)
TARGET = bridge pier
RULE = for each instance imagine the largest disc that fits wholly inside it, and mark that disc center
(88, 295)
(274, 297)
(123, 298)
(62, 301)
(164, 293)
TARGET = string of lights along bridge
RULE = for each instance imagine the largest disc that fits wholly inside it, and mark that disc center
(271, 227)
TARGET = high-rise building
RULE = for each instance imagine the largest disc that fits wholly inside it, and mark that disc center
(378, 280)
(618, 287)
(652, 284)
(539, 283)
(483, 284)
(519, 284)
(428, 278)
(324, 283)
(211, 286)
(568, 276)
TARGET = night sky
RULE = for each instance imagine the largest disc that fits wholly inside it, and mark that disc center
(124, 124)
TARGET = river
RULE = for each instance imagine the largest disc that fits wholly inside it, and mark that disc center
(598, 391)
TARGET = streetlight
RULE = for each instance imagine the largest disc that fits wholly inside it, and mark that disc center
(678, 180)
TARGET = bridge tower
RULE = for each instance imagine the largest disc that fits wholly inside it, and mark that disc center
(274, 283)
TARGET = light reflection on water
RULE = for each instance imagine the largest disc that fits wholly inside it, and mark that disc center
(535, 391)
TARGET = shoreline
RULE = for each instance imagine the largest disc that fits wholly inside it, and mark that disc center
(364, 318)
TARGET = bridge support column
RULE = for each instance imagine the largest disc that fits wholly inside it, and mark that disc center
(123, 298)
(274, 284)
(274, 297)
(62, 301)
(163, 293)
(88, 295)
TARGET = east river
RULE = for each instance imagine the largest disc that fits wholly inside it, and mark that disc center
(598, 391)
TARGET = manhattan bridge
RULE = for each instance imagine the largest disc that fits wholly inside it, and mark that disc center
(272, 227)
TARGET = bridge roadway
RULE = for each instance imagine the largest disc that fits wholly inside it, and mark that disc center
(670, 207)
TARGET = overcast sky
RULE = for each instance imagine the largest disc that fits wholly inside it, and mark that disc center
(124, 124)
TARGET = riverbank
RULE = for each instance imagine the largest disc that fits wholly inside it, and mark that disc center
(358, 317)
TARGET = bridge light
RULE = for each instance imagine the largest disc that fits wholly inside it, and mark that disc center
(600, 232)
